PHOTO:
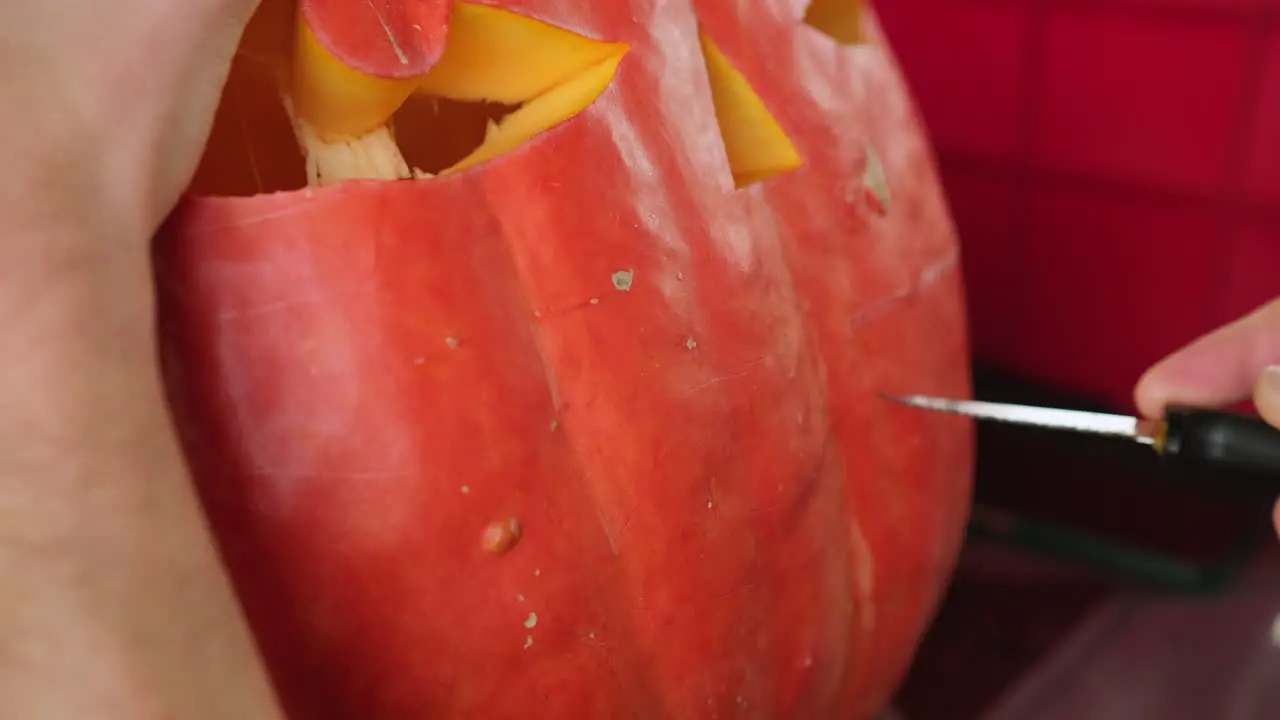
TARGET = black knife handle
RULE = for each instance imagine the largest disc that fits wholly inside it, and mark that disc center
(1212, 439)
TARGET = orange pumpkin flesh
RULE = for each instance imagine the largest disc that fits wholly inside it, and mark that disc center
(569, 426)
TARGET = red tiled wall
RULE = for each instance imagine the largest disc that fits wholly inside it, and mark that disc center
(1113, 167)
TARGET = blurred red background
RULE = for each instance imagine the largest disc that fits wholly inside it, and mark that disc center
(1111, 165)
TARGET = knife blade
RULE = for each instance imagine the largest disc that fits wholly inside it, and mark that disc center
(1184, 436)
(1082, 421)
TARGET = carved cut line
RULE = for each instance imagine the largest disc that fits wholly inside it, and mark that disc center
(756, 145)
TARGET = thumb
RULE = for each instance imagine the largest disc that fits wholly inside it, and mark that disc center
(1266, 395)
(1221, 368)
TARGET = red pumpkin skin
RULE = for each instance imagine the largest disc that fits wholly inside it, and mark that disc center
(384, 38)
(718, 514)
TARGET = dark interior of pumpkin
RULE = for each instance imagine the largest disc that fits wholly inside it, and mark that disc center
(252, 148)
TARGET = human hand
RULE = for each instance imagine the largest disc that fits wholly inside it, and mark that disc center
(1237, 362)
(106, 105)
(113, 602)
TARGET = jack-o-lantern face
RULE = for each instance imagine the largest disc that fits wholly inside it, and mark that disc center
(528, 355)
(375, 106)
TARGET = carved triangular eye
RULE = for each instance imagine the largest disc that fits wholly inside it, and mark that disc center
(756, 145)
(502, 79)
(841, 20)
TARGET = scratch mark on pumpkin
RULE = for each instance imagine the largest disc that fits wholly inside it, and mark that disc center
(730, 376)
(286, 473)
(611, 532)
(746, 588)
(313, 204)
(930, 275)
(264, 309)
(391, 36)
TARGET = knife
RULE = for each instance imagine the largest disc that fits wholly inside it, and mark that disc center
(1191, 437)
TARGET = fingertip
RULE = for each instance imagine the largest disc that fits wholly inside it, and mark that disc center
(1266, 394)
(1212, 371)
(1218, 369)
(1145, 400)
(1151, 392)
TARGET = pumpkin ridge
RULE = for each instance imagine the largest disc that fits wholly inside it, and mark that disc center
(519, 239)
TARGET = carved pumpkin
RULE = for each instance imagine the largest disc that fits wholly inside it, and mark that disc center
(528, 355)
